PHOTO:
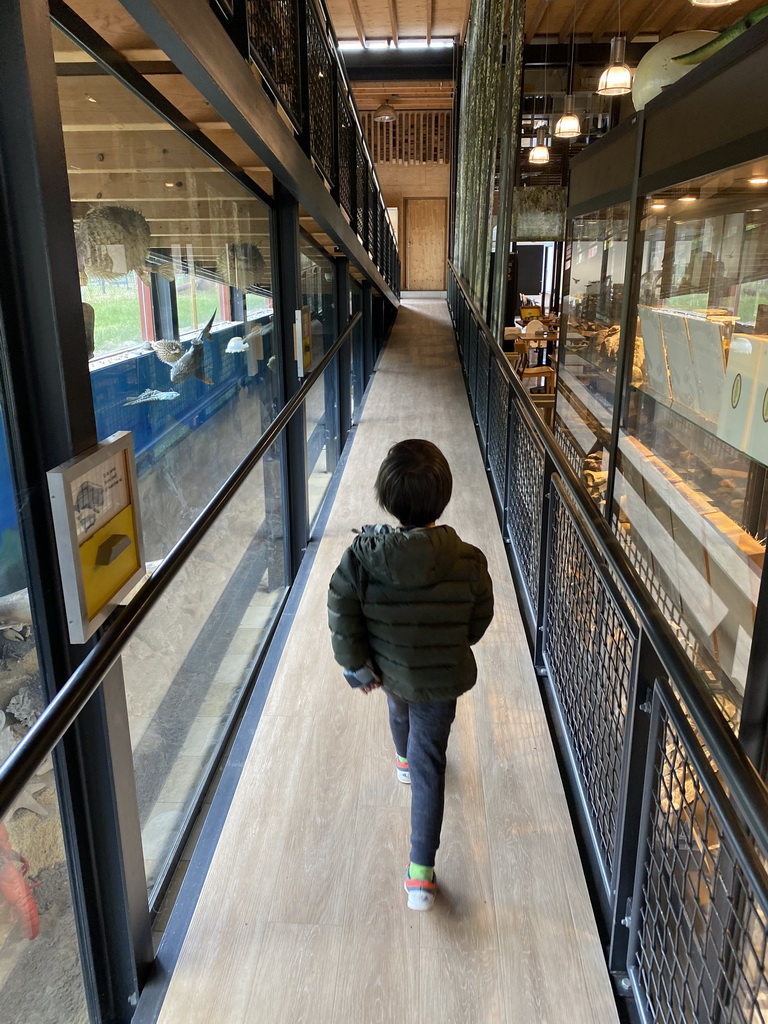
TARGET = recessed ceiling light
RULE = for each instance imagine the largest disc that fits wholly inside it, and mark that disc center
(658, 206)
(758, 181)
(688, 199)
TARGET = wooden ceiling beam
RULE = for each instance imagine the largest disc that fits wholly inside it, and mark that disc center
(646, 14)
(607, 24)
(430, 19)
(536, 20)
(358, 22)
(722, 17)
(576, 12)
(695, 19)
(393, 21)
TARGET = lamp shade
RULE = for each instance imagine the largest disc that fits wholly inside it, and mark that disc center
(539, 154)
(569, 126)
(385, 112)
(616, 80)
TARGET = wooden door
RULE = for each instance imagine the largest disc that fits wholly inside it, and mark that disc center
(425, 233)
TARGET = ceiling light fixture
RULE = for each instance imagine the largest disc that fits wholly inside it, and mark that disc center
(657, 204)
(385, 112)
(539, 153)
(569, 125)
(758, 181)
(616, 80)
(713, 3)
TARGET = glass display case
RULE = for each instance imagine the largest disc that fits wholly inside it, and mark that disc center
(690, 500)
(595, 265)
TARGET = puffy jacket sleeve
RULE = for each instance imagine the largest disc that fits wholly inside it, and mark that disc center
(349, 632)
(482, 613)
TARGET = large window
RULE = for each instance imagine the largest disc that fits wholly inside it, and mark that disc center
(690, 502)
(40, 974)
(175, 267)
(595, 265)
(318, 286)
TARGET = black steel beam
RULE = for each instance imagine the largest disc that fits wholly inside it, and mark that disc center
(344, 361)
(189, 32)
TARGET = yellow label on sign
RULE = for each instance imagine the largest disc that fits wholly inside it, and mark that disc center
(102, 581)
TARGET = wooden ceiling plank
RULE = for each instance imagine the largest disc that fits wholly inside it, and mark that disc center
(358, 22)
(695, 19)
(722, 17)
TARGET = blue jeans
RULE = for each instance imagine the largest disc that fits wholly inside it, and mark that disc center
(420, 731)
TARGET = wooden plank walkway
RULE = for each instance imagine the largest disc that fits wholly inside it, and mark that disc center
(302, 917)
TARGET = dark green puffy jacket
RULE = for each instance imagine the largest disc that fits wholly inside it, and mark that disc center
(411, 602)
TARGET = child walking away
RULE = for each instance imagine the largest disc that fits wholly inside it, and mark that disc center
(404, 606)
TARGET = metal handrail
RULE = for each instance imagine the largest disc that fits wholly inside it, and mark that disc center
(745, 785)
(66, 705)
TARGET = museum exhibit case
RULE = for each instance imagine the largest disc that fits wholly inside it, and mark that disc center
(662, 395)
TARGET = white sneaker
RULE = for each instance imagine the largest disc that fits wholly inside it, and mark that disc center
(421, 894)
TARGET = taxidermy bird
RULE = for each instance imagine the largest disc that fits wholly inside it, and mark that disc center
(168, 351)
(193, 360)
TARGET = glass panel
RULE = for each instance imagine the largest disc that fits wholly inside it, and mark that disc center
(189, 661)
(40, 973)
(175, 267)
(595, 264)
(318, 288)
(322, 441)
(690, 502)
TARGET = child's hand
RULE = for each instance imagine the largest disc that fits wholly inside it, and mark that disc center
(370, 687)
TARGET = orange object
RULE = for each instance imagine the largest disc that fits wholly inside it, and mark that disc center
(15, 888)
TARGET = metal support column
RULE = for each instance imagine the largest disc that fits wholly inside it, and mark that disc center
(51, 419)
(369, 357)
(285, 246)
(345, 355)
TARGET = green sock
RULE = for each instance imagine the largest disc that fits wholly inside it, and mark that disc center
(421, 872)
(402, 760)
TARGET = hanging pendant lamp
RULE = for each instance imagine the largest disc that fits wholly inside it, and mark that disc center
(616, 80)
(569, 125)
(385, 112)
(539, 154)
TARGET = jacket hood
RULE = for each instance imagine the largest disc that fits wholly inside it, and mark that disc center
(408, 558)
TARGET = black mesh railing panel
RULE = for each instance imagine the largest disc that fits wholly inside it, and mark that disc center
(361, 193)
(320, 87)
(372, 210)
(702, 939)
(497, 429)
(273, 33)
(472, 362)
(588, 648)
(346, 153)
(568, 448)
(525, 485)
(481, 388)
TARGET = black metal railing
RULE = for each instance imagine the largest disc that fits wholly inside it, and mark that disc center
(673, 814)
(294, 47)
(63, 709)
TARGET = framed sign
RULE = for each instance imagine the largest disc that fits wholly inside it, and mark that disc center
(94, 500)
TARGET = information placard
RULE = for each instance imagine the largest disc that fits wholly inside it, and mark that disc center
(94, 499)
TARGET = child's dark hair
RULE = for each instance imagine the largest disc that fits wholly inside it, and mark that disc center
(414, 482)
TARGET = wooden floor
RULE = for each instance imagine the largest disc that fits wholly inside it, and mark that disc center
(302, 917)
